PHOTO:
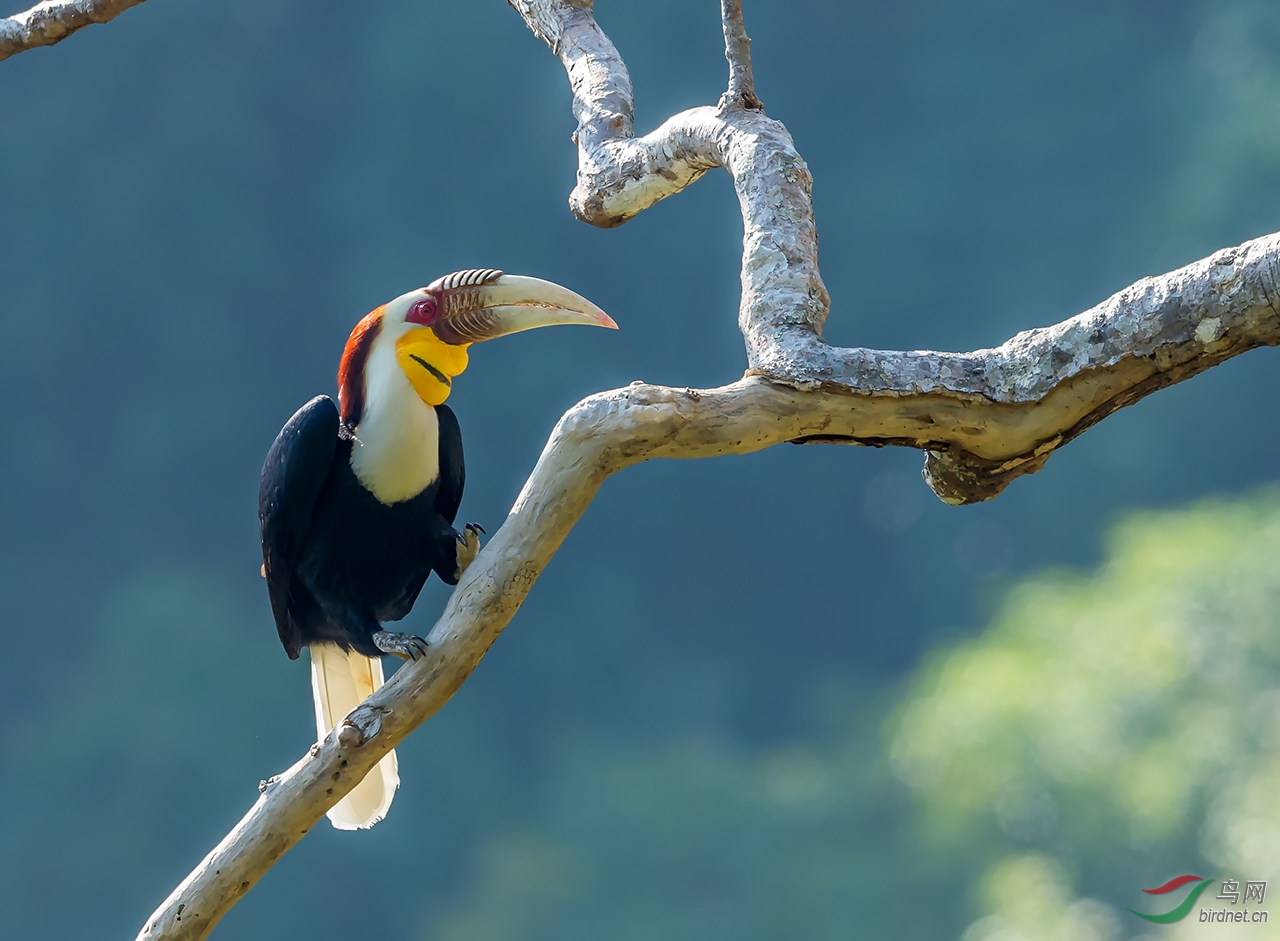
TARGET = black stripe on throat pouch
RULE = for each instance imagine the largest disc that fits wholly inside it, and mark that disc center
(431, 369)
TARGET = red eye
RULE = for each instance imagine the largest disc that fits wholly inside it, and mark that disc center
(422, 312)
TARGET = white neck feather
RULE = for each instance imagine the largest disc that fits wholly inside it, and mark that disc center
(396, 454)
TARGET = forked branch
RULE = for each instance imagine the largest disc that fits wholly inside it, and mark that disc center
(984, 417)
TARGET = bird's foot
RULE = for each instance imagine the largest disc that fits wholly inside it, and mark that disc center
(408, 646)
(468, 547)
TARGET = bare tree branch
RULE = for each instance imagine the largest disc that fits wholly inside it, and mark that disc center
(1148, 336)
(985, 417)
(737, 49)
(53, 21)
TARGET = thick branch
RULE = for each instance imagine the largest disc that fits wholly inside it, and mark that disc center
(1226, 296)
(1150, 335)
(986, 417)
(53, 21)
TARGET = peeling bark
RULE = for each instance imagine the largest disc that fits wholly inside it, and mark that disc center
(985, 417)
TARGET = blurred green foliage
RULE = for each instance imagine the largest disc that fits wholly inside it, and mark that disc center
(1107, 731)
(1123, 724)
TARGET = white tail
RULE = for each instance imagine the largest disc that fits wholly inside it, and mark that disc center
(340, 681)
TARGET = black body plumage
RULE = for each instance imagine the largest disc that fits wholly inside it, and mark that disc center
(338, 562)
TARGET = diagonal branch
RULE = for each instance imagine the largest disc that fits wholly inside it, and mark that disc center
(53, 21)
(985, 417)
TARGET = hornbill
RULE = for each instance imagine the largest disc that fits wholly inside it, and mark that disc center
(357, 502)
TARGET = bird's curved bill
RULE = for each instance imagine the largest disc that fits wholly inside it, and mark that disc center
(509, 304)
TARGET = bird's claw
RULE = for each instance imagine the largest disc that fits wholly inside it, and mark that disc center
(408, 646)
(468, 546)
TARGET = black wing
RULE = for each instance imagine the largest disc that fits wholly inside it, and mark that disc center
(292, 476)
(453, 474)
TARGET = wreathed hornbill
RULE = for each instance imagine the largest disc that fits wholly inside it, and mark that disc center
(357, 502)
